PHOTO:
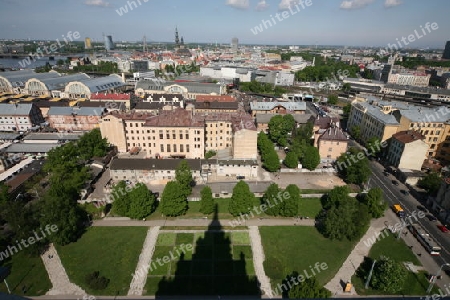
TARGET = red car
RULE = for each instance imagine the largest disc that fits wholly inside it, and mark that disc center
(443, 228)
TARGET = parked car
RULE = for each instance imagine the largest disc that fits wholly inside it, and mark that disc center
(240, 177)
(443, 228)
(394, 182)
(405, 192)
(431, 218)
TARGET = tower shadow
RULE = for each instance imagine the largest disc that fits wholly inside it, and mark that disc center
(216, 268)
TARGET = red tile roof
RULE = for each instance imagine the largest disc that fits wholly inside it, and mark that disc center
(103, 96)
(408, 136)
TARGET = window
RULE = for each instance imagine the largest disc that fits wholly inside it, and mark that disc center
(187, 136)
(131, 124)
(161, 135)
(181, 148)
(330, 149)
(167, 134)
(181, 136)
(162, 148)
(187, 148)
(168, 147)
(174, 148)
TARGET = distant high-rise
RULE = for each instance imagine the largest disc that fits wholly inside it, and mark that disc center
(234, 44)
(87, 43)
(109, 45)
(446, 51)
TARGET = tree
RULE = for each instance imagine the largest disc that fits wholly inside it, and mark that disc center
(308, 288)
(346, 109)
(210, 154)
(304, 133)
(346, 87)
(291, 160)
(356, 132)
(121, 204)
(271, 161)
(431, 183)
(388, 275)
(207, 201)
(60, 62)
(142, 202)
(183, 176)
(290, 204)
(271, 201)
(311, 158)
(373, 146)
(279, 128)
(242, 199)
(173, 200)
(336, 195)
(353, 166)
(375, 202)
(332, 99)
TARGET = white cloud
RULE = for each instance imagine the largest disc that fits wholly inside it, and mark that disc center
(285, 4)
(239, 4)
(262, 5)
(355, 4)
(392, 3)
(100, 3)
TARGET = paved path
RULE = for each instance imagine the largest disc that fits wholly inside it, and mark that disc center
(258, 260)
(203, 222)
(140, 275)
(61, 284)
(353, 261)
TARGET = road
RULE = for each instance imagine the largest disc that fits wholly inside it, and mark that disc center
(393, 196)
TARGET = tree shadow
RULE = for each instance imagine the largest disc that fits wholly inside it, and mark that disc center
(213, 270)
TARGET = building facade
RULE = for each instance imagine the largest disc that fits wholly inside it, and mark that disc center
(407, 150)
(19, 117)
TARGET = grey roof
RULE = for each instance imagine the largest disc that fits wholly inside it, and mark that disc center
(299, 118)
(59, 83)
(425, 115)
(416, 89)
(53, 136)
(30, 148)
(101, 84)
(9, 136)
(193, 87)
(18, 78)
(154, 105)
(79, 111)
(15, 109)
(376, 113)
(270, 105)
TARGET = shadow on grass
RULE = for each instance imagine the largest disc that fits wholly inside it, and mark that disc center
(212, 270)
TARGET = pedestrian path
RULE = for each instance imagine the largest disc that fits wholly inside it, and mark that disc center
(140, 274)
(61, 284)
(356, 257)
(258, 261)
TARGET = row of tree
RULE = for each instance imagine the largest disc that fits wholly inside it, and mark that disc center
(269, 156)
(302, 149)
(261, 88)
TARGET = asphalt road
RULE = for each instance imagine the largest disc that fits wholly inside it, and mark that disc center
(393, 196)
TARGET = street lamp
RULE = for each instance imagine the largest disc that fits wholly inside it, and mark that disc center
(433, 280)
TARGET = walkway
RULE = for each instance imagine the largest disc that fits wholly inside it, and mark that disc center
(201, 222)
(356, 257)
(61, 284)
(140, 275)
(258, 260)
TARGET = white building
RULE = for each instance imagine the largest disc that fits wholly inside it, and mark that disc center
(19, 117)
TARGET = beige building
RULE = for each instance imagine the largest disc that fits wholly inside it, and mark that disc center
(277, 108)
(180, 133)
(332, 143)
(373, 119)
(407, 150)
(409, 78)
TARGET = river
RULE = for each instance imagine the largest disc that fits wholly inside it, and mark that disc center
(14, 62)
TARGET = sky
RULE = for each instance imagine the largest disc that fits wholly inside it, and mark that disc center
(299, 22)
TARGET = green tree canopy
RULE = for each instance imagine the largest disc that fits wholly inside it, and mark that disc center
(270, 199)
(375, 202)
(311, 158)
(388, 275)
(121, 204)
(308, 288)
(142, 202)
(268, 154)
(291, 202)
(333, 99)
(291, 160)
(353, 166)
(431, 183)
(173, 200)
(183, 175)
(207, 201)
(242, 199)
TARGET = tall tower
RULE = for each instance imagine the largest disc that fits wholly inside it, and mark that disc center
(177, 39)
(144, 47)
(87, 43)
(234, 44)
(109, 45)
(446, 54)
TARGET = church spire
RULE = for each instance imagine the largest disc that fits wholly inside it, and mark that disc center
(177, 40)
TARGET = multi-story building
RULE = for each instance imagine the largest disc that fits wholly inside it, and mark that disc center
(332, 143)
(75, 118)
(407, 150)
(373, 120)
(111, 99)
(409, 78)
(189, 90)
(181, 133)
(277, 108)
(19, 117)
(441, 204)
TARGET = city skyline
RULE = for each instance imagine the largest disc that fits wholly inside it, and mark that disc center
(370, 23)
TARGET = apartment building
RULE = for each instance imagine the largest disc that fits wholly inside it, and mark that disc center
(19, 117)
(374, 119)
(189, 90)
(277, 108)
(409, 78)
(75, 118)
(113, 100)
(332, 143)
(407, 150)
(180, 133)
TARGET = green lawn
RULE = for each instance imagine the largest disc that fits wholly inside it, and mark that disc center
(219, 263)
(27, 273)
(113, 251)
(314, 191)
(289, 249)
(415, 284)
(309, 207)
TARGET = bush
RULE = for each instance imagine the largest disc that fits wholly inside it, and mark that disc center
(96, 282)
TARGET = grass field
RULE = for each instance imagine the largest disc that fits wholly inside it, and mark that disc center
(215, 263)
(289, 249)
(309, 207)
(113, 251)
(28, 276)
(415, 284)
